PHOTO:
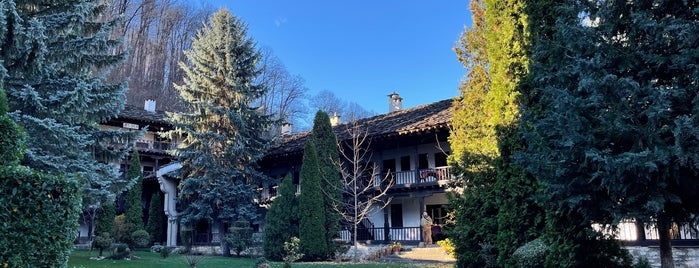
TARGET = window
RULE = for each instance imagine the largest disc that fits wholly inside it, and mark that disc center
(440, 159)
(397, 215)
(422, 162)
(389, 165)
(405, 163)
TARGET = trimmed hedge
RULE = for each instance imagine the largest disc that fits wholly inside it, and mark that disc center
(38, 218)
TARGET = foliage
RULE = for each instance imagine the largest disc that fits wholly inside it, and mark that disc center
(614, 132)
(223, 130)
(102, 242)
(194, 260)
(187, 237)
(532, 254)
(292, 251)
(642, 262)
(448, 246)
(57, 54)
(281, 222)
(311, 210)
(120, 230)
(120, 251)
(38, 217)
(165, 252)
(105, 218)
(240, 236)
(140, 238)
(328, 154)
(134, 209)
(155, 218)
(13, 140)
(260, 262)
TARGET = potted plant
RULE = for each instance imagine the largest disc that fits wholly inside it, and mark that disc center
(395, 247)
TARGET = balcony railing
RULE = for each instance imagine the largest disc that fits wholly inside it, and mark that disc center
(379, 234)
(154, 146)
(419, 176)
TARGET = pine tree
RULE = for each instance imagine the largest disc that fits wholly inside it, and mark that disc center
(222, 130)
(134, 207)
(282, 220)
(311, 207)
(615, 134)
(57, 55)
(155, 218)
(328, 155)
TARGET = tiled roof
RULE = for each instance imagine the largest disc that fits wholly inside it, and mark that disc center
(422, 118)
(137, 113)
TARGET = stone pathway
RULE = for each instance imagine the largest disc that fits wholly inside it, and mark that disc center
(427, 257)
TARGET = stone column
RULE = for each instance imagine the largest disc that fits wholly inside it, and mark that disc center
(169, 187)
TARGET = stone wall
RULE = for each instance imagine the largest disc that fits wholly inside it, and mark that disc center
(685, 257)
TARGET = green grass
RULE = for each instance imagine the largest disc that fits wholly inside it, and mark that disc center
(153, 260)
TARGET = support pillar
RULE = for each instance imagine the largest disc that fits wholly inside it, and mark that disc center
(169, 187)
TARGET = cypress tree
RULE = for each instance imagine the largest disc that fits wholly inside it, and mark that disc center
(223, 129)
(134, 207)
(328, 157)
(155, 218)
(282, 220)
(312, 231)
(105, 219)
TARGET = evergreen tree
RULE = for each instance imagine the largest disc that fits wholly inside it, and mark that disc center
(134, 207)
(496, 213)
(311, 207)
(105, 219)
(615, 133)
(222, 130)
(154, 227)
(282, 220)
(57, 54)
(328, 155)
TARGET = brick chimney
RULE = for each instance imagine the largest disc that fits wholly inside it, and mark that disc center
(395, 102)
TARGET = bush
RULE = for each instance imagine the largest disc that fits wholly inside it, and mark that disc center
(239, 236)
(140, 238)
(261, 262)
(120, 230)
(120, 251)
(531, 254)
(12, 141)
(165, 252)
(102, 241)
(642, 262)
(38, 217)
(448, 246)
(186, 238)
(292, 251)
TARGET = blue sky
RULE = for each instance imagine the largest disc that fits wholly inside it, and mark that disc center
(363, 50)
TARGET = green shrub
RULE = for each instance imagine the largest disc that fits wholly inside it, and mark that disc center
(239, 236)
(120, 251)
(531, 254)
(12, 141)
(165, 252)
(140, 238)
(120, 230)
(642, 262)
(38, 217)
(102, 241)
(292, 251)
(261, 262)
(186, 236)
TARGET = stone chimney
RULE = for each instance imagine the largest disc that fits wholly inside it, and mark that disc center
(286, 128)
(149, 106)
(334, 120)
(395, 102)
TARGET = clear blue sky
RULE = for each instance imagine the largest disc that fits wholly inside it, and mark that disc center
(363, 50)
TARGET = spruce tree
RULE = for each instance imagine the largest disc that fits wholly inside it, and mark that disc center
(222, 130)
(328, 157)
(311, 207)
(615, 133)
(134, 207)
(282, 220)
(57, 54)
(154, 227)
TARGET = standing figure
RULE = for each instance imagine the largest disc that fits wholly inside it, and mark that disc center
(426, 224)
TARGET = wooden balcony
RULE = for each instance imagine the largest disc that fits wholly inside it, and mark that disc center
(410, 178)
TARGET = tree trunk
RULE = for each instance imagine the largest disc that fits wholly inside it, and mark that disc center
(225, 250)
(666, 260)
(355, 258)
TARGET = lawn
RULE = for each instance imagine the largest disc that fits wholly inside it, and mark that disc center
(153, 260)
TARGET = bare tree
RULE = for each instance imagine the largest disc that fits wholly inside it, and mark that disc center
(286, 91)
(364, 188)
(328, 102)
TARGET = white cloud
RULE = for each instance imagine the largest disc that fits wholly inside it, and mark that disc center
(279, 21)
